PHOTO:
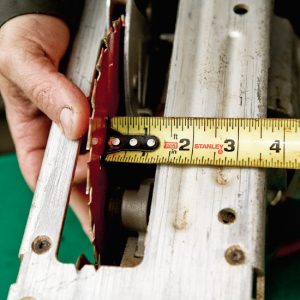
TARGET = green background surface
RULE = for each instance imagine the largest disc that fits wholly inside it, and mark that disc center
(15, 199)
(283, 276)
(283, 279)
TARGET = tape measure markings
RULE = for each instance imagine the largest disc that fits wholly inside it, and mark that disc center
(209, 141)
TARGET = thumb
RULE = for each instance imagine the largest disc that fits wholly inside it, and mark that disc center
(63, 102)
(31, 48)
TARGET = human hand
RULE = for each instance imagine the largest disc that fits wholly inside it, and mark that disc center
(31, 47)
(34, 92)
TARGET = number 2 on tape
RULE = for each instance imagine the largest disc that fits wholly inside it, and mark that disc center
(272, 143)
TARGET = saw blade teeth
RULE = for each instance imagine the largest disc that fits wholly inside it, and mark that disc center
(90, 198)
(122, 19)
(97, 259)
(99, 62)
(93, 97)
(89, 135)
(117, 22)
(96, 254)
(105, 41)
(91, 223)
(93, 231)
(95, 141)
(88, 180)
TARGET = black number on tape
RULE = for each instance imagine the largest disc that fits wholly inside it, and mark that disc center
(276, 146)
(185, 144)
(230, 145)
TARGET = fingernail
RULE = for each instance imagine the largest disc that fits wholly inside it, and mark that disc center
(66, 121)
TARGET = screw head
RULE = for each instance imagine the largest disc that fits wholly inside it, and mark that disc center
(234, 255)
(41, 244)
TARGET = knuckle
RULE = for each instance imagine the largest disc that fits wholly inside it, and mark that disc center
(12, 58)
(41, 94)
(6, 52)
(4, 60)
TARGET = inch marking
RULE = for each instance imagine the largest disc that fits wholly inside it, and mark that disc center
(283, 152)
(238, 140)
(193, 140)
(271, 143)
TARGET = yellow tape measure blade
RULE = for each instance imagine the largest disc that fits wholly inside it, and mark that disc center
(267, 143)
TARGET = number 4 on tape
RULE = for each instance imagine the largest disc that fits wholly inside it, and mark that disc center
(267, 143)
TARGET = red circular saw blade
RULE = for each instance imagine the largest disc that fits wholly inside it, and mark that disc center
(105, 102)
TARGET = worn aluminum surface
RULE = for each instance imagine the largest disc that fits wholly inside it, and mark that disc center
(219, 68)
(51, 196)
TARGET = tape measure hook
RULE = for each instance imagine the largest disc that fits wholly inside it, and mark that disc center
(119, 142)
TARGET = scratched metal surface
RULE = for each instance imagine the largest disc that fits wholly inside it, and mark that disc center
(51, 196)
(219, 68)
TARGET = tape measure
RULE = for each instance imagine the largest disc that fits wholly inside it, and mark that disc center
(266, 143)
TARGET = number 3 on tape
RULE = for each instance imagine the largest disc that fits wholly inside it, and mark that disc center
(267, 143)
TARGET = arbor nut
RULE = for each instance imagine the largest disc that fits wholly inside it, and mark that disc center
(235, 255)
(41, 244)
